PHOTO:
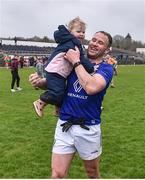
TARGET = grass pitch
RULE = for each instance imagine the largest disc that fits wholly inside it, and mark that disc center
(26, 140)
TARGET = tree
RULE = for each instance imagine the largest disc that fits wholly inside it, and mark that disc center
(128, 37)
(45, 39)
(118, 41)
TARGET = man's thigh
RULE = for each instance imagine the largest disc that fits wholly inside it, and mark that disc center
(60, 164)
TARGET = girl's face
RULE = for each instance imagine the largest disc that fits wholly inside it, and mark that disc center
(78, 32)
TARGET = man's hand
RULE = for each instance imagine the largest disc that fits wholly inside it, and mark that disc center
(33, 79)
(72, 55)
(37, 81)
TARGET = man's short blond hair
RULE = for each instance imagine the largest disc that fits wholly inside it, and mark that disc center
(76, 21)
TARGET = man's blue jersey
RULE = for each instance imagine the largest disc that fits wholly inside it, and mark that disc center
(78, 104)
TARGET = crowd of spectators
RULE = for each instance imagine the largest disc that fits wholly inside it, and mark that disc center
(24, 61)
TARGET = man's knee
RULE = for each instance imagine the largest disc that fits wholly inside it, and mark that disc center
(92, 168)
(93, 173)
(58, 174)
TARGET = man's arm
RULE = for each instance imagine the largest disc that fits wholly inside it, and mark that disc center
(37, 81)
(92, 84)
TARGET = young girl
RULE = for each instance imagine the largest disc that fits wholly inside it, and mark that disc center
(57, 68)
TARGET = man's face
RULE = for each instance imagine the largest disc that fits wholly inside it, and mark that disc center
(98, 46)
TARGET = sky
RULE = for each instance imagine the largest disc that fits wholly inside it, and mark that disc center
(27, 18)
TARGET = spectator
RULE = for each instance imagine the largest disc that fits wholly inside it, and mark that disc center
(15, 75)
(7, 60)
(21, 61)
(40, 67)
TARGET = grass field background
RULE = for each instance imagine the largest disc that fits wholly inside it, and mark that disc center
(26, 141)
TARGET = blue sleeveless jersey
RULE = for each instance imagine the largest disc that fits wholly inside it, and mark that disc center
(78, 104)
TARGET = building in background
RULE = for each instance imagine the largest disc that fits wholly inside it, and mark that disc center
(140, 50)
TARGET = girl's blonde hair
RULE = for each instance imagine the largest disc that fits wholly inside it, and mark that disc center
(76, 21)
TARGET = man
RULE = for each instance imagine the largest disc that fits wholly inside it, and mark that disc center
(15, 75)
(78, 129)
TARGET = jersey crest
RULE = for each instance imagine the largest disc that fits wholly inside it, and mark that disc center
(77, 86)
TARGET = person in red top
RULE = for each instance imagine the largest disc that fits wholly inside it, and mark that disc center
(15, 74)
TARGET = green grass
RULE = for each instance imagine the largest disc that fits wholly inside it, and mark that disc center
(26, 141)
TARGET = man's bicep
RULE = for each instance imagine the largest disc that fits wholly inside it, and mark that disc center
(96, 84)
(100, 82)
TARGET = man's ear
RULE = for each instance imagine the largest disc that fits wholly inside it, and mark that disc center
(108, 50)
